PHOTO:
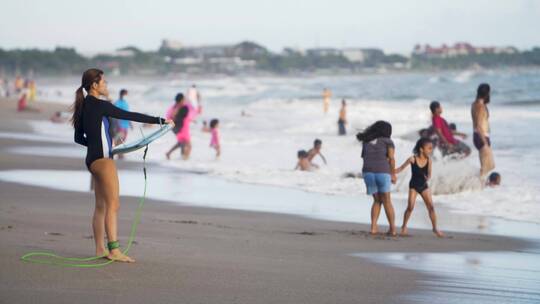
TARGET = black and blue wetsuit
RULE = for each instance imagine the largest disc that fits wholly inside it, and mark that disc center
(93, 130)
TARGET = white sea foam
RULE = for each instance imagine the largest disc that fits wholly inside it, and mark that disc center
(285, 115)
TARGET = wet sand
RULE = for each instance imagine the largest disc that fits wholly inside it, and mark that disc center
(195, 255)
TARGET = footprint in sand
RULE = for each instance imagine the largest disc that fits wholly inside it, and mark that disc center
(54, 233)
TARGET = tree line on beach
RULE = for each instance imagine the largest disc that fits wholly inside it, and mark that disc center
(65, 61)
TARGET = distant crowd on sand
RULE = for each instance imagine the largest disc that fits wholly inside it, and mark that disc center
(24, 89)
(379, 170)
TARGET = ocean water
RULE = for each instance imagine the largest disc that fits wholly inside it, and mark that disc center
(285, 115)
(469, 277)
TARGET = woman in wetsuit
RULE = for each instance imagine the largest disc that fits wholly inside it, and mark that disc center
(91, 120)
(421, 172)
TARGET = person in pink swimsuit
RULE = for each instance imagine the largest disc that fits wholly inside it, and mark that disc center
(214, 141)
(183, 114)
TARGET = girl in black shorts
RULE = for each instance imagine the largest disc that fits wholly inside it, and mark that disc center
(421, 171)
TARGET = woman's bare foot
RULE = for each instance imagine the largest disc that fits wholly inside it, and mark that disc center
(102, 252)
(404, 231)
(374, 231)
(391, 233)
(117, 255)
(438, 233)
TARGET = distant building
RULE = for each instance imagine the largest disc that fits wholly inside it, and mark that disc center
(459, 49)
(321, 52)
(354, 54)
(174, 45)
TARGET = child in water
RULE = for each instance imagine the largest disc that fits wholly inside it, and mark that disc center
(494, 180)
(316, 150)
(303, 162)
(421, 172)
(214, 141)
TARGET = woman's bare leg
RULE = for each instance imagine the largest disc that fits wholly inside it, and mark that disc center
(187, 150)
(408, 211)
(426, 195)
(375, 211)
(168, 154)
(98, 221)
(389, 210)
(106, 178)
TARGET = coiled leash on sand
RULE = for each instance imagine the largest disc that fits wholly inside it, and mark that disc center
(84, 262)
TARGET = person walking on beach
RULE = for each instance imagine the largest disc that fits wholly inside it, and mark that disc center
(378, 171)
(214, 141)
(316, 150)
(327, 94)
(185, 114)
(342, 121)
(420, 164)
(173, 114)
(480, 118)
(91, 121)
(122, 125)
(448, 144)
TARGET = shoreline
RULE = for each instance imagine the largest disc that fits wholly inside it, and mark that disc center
(200, 254)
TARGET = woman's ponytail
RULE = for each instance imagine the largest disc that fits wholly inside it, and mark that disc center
(77, 107)
(89, 77)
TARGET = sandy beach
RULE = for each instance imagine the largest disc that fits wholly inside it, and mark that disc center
(195, 255)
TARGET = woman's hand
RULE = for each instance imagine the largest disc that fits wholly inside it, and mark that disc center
(394, 178)
(169, 122)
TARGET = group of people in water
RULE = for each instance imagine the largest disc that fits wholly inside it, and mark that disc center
(379, 170)
(91, 121)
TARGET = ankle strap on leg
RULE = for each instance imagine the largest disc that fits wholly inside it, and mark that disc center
(113, 245)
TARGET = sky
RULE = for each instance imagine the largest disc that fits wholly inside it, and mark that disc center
(395, 26)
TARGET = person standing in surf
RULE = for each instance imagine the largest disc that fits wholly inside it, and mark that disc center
(342, 121)
(193, 95)
(327, 94)
(378, 171)
(91, 121)
(421, 172)
(480, 118)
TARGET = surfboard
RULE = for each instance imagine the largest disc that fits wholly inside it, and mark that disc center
(141, 142)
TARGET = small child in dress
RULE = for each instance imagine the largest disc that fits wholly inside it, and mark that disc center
(214, 141)
(421, 172)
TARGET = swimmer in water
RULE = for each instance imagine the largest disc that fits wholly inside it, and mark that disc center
(421, 172)
(316, 150)
(303, 162)
(494, 180)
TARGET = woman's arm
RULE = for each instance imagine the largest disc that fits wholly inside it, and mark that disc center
(112, 111)
(405, 164)
(323, 158)
(79, 136)
(429, 169)
(392, 162)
